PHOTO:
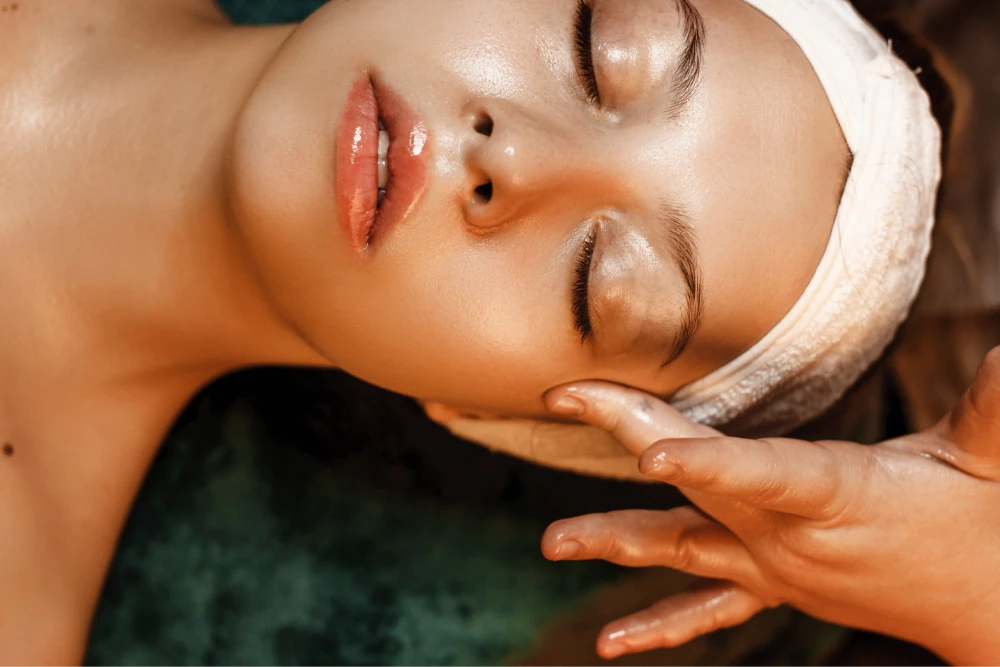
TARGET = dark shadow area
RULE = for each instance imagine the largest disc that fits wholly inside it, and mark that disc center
(385, 441)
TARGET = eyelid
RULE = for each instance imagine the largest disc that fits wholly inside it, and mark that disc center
(585, 52)
(581, 287)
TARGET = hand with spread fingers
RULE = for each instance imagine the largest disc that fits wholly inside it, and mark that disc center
(901, 538)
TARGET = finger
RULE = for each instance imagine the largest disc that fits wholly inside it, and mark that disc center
(443, 413)
(635, 418)
(778, 474)
(682, 539)
(679, 619)
(975, 423)
(585, 450)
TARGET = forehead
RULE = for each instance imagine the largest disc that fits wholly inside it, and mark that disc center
(766, 166)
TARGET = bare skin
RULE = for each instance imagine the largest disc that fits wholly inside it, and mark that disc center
(166, 217)
(96, 358)
(900, 538)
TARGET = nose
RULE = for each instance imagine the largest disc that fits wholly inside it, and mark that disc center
(516, 163)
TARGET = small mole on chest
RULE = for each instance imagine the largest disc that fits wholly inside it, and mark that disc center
(8, 449)
(9, 8)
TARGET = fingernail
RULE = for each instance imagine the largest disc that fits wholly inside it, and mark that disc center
(614, 646)
(614, 650)
(568, 549)
(569, 406)
(659, 466)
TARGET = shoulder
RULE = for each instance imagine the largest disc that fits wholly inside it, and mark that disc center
(27, 25)
(39, 36)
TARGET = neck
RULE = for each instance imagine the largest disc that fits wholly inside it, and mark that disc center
(125, 287)
(162, 293)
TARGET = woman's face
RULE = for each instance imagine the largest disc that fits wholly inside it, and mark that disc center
(632, 190)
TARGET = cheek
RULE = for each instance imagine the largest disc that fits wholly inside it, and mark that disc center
(470, 327)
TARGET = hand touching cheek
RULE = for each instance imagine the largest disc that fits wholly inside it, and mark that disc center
(901, 538)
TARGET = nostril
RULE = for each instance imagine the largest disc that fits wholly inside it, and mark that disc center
(485, 191)
(484, 125)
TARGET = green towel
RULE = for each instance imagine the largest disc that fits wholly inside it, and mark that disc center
(303, 517)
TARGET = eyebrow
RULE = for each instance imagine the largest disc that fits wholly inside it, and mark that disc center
(688, 71)
(680, 237)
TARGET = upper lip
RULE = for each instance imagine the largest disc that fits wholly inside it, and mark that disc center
(356, 175)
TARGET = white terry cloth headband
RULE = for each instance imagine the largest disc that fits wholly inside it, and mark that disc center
(874, 262)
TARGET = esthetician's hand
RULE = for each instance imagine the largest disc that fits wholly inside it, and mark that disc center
(901, 538)
(579, 448)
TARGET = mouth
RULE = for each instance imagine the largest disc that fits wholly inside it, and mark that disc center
(381, 169)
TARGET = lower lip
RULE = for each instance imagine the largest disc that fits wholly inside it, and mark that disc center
(356, 176)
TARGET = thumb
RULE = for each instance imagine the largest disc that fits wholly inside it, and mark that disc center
(635, 418)
(974, 423)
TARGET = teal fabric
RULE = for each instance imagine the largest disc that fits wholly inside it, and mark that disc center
(303, 517)
(269, 11)
(245, 550)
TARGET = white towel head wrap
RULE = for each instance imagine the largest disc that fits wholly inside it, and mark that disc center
(873, 265)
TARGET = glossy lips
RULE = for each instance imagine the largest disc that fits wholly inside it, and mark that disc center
(356, 176)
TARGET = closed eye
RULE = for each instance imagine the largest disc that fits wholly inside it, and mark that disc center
(581, 287)
(585, 52)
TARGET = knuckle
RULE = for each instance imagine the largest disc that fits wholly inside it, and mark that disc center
(769, 598)
(772, 487)
(672, 634)
(833, 498)
(767, 493)
(684, 555)
(605, 416)
(606, 541)
(716, 617)
(708, 477)
(607, 546)
(710, 621)
(848, 498)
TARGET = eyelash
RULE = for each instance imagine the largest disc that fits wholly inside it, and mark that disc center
(585, 53)
(581, 299)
